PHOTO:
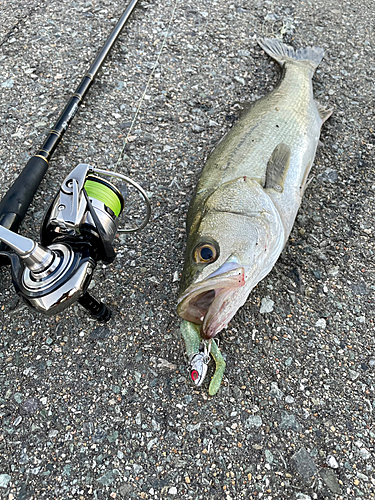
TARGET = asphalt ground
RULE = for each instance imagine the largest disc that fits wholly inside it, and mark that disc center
(90, 411)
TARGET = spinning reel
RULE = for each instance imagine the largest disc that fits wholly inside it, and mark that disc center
(77, 232)
(80, 225)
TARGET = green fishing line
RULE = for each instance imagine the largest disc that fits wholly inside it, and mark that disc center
(104, 192)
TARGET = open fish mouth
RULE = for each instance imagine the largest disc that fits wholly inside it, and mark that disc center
(210, 302)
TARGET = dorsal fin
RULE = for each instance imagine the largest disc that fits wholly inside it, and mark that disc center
(277, 168)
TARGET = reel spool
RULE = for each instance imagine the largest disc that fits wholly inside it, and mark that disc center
(108, 203)
(99, 189)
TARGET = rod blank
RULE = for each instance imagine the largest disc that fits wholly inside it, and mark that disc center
(18, 198)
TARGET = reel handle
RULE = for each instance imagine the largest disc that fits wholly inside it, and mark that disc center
(34, 256)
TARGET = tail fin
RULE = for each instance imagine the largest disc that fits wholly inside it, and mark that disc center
(283, 53)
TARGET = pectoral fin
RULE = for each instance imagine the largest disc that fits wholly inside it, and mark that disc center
(277, 168)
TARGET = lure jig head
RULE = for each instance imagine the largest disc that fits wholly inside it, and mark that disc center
(199, 363)
(77, 233)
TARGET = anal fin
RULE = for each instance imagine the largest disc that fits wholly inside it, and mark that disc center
(277, 168)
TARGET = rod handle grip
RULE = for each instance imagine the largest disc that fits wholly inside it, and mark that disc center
(14, 204)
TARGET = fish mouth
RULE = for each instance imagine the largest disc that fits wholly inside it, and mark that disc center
(209, 302)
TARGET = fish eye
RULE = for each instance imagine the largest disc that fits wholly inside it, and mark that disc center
(205, 253)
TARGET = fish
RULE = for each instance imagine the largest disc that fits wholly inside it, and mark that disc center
(249, 193)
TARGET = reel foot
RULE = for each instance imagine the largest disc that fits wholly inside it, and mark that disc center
(97, 310)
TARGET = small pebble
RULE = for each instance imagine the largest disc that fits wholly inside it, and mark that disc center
(321, 323)
(289, 421)
(365, 454)
(4, 480)
(331, 481)
(18, 397)
(353, 374)
(17, 421)
(266, 305)
(254, 421)
(8, 84)
(275, 392)
(269, 456)
(304, 464)
(332, 462)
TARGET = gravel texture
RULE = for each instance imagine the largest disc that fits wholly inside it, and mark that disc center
(105, 412)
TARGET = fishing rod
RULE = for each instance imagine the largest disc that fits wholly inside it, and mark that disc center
(80, 225)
